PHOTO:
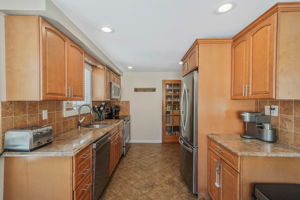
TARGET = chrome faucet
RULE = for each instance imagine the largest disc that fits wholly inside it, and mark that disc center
(80, 121)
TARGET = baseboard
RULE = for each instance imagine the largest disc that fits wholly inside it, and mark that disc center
(145, 141)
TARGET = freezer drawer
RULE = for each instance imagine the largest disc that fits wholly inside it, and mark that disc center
(189, 165)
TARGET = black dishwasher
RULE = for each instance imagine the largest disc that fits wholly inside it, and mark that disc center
(101, 154)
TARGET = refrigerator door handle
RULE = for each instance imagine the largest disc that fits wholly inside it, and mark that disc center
(189, 149)
(187, 108)
(183, 108)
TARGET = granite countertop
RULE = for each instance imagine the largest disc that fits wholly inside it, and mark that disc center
(71, 142)
(253, 147)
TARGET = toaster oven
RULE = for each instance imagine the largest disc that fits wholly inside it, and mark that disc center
(27, 139)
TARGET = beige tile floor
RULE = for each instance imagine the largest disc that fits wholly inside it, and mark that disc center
(148, 172)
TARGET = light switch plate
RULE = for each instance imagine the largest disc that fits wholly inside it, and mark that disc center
(274, 110)
(45, 114)
(267, 110)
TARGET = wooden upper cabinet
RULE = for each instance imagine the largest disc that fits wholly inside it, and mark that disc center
(239, 68)
(190, 59)
(99, 85)
(107, 83)
(193, 59)
(229, 182)
(41, 62)
(54, 56)
(262, 58)
(272, 46)
(185, 67)
(75, 73)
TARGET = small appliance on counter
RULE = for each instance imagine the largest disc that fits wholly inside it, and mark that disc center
(114, 112)
(258, 126)
(276, 191)
(27, 139)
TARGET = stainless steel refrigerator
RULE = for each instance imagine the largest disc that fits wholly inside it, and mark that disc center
(189, 131)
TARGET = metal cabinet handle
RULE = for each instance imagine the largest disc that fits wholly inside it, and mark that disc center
(218, 170)
(85, 156)
(219, 151)
(68, 92)
(85, 172)
(246, 89)
(72, 92)
(86, 187)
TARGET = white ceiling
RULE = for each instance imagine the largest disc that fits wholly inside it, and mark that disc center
(153, 35)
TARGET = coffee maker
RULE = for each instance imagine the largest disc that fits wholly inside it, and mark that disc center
(114, 112)
(258, 126)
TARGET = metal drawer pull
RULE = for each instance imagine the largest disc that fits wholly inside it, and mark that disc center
(85, 172)
(85, 156)
(86, 187)
(219, 151)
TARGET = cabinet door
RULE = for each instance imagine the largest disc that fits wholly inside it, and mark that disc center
(214, 164)
(54, 59)
(239, 74)
(75, 72)
(193, 59)
(262, 59)
(185, 66)
(229, 183)
(107, 83)
(98, 83)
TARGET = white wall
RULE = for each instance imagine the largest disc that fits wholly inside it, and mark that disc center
(145, 107)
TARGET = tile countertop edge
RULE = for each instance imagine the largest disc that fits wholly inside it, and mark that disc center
(269, 149)
(69, 153)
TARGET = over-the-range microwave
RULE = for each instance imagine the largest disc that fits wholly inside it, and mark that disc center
(115, 91)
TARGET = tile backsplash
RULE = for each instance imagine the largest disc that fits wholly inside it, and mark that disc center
(21, 114)
(288, 121)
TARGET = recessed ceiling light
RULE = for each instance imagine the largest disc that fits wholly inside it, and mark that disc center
(106, 29)
(225, 8)
(130, 67)
(180, 63)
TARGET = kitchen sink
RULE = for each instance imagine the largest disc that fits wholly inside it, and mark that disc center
(97, 125)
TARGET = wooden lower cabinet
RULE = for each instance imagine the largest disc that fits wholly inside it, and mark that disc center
(48, 178)
(223, 179)
(213, 174)
(116, 148)
(229, 182)
(231, 177)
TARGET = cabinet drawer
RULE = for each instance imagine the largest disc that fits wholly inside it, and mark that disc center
(83, 155)
(83, 165)
(82, 171)
(84, 191)
(229, 157)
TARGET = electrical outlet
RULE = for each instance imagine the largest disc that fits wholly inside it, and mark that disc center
(274, 110)
(45, 114)
(267, 110)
